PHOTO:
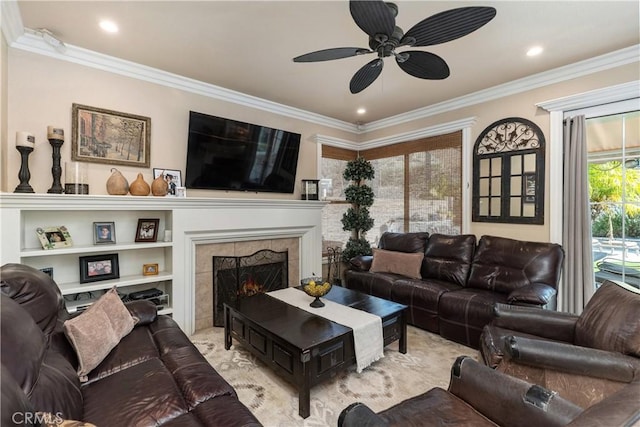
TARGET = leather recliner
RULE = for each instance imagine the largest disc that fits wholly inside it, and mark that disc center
(585, 358)
(479, 396)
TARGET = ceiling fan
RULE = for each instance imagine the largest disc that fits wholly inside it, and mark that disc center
(378, 20)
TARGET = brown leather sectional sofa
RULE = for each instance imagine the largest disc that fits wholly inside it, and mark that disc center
(462, 279)
(154, 376)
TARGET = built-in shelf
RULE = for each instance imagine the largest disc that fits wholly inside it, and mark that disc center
(123, 281)
(38, 252)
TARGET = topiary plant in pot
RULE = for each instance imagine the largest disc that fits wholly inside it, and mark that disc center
(357, 218)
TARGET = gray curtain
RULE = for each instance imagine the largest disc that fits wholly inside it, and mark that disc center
(577, 286)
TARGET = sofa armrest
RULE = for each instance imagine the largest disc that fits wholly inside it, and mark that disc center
(361, 262)
(554, 325)
(619, 409)
(360, 415)
(573, 359)
(507, 400)
(535, 294)
(145, 311)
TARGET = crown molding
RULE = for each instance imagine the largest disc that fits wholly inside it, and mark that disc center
(436, 130)
(14, 33)
(607, 61)
(336, 142)
(617, 93)
(78, 55)
(11, 21)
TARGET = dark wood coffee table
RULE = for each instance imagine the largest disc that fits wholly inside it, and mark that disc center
(301, 347)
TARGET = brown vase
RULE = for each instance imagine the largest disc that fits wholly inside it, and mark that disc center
(139, 187)
(117, 184)
(159, 187)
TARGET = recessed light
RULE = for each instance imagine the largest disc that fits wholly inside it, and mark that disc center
(535, 50)
(109, 26)
(361, 111)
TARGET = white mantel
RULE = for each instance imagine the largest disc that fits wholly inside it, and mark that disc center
(193, 221)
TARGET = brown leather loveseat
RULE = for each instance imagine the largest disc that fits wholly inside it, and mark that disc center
(459, 281)
(153, 377)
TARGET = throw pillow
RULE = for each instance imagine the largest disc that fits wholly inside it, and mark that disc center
(405, 264)
(95, 332)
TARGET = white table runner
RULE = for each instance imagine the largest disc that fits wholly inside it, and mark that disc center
(367, 327)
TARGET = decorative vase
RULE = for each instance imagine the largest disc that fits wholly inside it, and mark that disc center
(139, 187)
(159, 187)
(117, 184)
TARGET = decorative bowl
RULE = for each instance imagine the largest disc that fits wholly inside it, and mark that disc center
(315, 287)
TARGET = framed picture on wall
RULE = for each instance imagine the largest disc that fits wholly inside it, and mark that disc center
(111, 137)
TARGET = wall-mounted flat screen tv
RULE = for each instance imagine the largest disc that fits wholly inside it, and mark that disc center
(224, 154)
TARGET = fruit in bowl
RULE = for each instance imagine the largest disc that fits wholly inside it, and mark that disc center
(315, 287)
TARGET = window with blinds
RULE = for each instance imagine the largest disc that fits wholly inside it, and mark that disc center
(417, 187)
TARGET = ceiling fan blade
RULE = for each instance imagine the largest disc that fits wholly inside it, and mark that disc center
(449, 25)
(373, 17)
(423, 65)
(366, 75)
(329, 54)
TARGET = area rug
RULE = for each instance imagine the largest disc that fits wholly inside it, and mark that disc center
(388, 381)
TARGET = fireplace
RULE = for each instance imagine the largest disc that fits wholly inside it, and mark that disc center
(236, 277)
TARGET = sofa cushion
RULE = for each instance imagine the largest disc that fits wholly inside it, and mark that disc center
(611, 320)
(503, 265)
(462, 314)
(405, 264)
(95, 332)
(449, 258)
(403, 242)
(431, 408)
(421, 297)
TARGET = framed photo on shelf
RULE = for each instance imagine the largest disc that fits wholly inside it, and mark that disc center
(173, 177)
(54, 237)
(94, 268)
(104, 232)
(147, 230)
(48, 271)
(149, 269)
(110, 137)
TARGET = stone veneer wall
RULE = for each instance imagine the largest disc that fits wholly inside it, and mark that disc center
(204, 269)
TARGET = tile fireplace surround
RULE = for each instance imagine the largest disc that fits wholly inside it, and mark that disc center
(204, 269)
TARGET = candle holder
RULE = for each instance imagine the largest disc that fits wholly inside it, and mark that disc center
(24, 175)
(56, 169)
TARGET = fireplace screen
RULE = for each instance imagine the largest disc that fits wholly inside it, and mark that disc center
(244, 276)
